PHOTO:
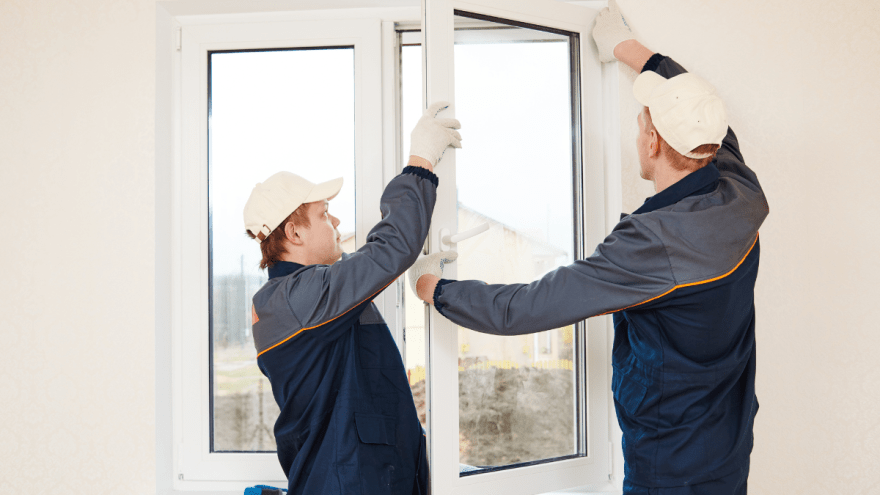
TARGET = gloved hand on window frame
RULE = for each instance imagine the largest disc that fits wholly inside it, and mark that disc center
(430, 264)
(431, 136)
(610, 30)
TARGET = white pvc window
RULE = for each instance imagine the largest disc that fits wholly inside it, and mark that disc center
(227, 450)
(249, 109)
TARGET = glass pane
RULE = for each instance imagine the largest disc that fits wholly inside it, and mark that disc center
(517, 400)
(270, 111)
(411, 101)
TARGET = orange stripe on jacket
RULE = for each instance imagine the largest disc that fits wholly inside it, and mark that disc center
(326, 322)
(690, 284)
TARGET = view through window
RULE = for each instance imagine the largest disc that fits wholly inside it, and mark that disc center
(513, 92)
(269, 111)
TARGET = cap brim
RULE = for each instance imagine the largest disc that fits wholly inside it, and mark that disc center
(645, 84)
(324, 190)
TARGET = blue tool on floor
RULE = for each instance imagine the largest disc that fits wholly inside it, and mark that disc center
(264, 490)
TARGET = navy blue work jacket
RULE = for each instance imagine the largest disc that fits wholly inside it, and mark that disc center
(347, 424)
(679, 276)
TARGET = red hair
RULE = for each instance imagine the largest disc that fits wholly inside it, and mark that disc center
(272, 247)
(679, 161)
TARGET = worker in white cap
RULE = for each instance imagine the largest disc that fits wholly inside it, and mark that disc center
(348, 423)
(678, 274)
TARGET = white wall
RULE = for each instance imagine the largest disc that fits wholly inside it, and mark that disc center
(76, 202)
(77, 98)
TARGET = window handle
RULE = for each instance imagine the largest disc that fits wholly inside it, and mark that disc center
(447, 240)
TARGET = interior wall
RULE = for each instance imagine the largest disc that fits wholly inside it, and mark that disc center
(77, 111)
(77, 102)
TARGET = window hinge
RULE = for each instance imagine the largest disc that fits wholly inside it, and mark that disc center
(178, 38)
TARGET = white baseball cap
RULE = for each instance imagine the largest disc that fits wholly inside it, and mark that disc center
(277, 197)
(685, 110)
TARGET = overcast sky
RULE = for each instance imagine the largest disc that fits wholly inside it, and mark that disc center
(294, 110)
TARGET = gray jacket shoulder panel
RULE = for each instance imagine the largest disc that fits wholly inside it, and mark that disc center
(646, 256)
(730, 162)
(289, 305)
(316, 295)
(274, 322)
(732, 214)
(322, 293)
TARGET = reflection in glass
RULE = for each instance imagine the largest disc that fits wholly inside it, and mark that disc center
(270, 111)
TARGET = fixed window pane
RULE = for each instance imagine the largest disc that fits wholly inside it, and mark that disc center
(269, 111)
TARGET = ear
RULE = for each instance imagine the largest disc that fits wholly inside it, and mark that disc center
(292, 234)
(653, 144)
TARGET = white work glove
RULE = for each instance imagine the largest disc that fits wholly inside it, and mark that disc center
(430, 264)
(610, 30)
(431, 136)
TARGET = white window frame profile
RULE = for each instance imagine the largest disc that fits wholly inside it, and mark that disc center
(594, 464)
(193, 29)
(197, 467)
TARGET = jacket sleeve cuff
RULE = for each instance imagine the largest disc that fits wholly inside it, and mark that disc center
(653, 63)
(420, 172)
(437, 289)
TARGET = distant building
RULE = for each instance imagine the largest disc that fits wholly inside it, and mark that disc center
(500, 255)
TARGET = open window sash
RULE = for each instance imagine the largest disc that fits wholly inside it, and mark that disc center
(591, 464)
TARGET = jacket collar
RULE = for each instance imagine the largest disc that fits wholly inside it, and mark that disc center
(283, 268)
(702, 181)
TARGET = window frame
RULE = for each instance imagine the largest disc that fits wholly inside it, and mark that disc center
(181, 206)
(442, 347)
(201, 35)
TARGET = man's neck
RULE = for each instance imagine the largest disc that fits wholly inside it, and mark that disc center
(296, 257)
(666, 176)
(304, 259)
